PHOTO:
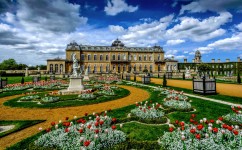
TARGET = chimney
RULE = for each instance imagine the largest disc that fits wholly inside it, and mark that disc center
(238, 59)
(213, 60)
(227, 60)
(218, 60)
(185, 60)
(193, 60)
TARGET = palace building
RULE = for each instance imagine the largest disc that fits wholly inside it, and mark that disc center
(116, 58)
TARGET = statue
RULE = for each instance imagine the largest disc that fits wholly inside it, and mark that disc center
(75, 65)
(124, 56)
(86, 72)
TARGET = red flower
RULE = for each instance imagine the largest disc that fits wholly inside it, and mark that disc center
(183, 128)
(48, 130)
(96, 131)
(96, 124)
(89, 126)
(193, 115)
(171, 129)
(52, 123)
(83, 121)
(81, 131)
(193, 131)
(66, 124)
(114, 120)
(176, 121)
(195, 122)
(191, 120)
(137, 104)
(236, 132)
(67, 130)
(220, 118)
(114, 127)
(67, 118)
(86, 114)
(215, 130)
(86, 143)
(101, 122)
(182, 123)
(238, 107)
(200, 127)
(198, 136)
(225, 126)
(230, 128)
(211, 121)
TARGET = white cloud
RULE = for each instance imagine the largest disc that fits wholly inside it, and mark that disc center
(239, 26)
(115, 7)
(174, 42)
(199, 30)
(211, 5)
(116, 29)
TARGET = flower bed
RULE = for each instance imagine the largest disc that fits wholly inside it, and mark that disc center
(202, 136)
(178, 105)
(235, 117)
(159, 88)
(87, 96)
(29, 98)
(119, 82)
(98, 133)
(146, 111)
(49, 99)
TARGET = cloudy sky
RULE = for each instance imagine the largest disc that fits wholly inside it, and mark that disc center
(32, 31)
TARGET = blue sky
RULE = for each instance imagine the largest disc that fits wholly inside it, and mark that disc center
(33, 31)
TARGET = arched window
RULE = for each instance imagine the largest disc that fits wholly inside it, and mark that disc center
(118, 67)
(150, 57)
(113, 67)
(140, 67)
(51, 67)
(140, 58)
(159, 69)
(56, 67)
(101, 57)
(107, 68)
(151, 69)
(101, 68)
(88, 57)
(118, 56)
(113, 57)
(130, 68)
(61, 68)
(124, 67)
(89, 69)
(135, 67)
(145, 57)
(95, 68)
(145, 67)
(106, 57)
(158, 57)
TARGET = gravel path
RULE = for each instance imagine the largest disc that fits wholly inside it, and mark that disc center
(56, 114)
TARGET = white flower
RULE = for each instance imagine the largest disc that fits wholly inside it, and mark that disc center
(206, 135)
(121, 125)
(232, 106)
(236, 127)
(96, 136)
(40, 128)
(204, 119)
(222, 131)
(60, 121)
(75, 117)
(183, 137)
(90, 118)
(218, 122)
(210, 124)
(129, 115)
(93, 113)
(105, 111)
(106, 130)
(201, 121)
(81, 139)
(182, 133)
(210, 128)
(56, 126)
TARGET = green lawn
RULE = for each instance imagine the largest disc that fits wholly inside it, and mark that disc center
(66, 100)
(19, 125)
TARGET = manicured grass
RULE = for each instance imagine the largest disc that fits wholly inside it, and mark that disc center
(67, 100)
(17, 79)
(141, 132)
(19, 125)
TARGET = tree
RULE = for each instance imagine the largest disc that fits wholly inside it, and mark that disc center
(238, 79)
(203, 69)
(164, 80)
(22, 80)
(9, 64)
(134, 77)
(183, 76)
(158, 75)
(45, 78)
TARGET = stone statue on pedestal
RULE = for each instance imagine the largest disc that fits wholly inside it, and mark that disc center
(75, 65)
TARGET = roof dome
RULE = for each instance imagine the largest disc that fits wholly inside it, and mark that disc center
(118, 43)
(197, 53)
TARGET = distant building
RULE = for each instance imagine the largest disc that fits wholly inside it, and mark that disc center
(116, 58)
(226, 68)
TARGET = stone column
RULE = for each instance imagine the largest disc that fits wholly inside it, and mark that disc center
(26, 72)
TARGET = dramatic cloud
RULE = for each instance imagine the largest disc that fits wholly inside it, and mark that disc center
(115, 7)
(174, 42)
(199, 30)
(57, 16)
(239, 26)
(211, 5)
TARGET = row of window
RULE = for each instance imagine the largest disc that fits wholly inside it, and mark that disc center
(101, 57)
(56, 68)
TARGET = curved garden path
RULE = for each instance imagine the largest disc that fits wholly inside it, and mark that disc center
(56, 114)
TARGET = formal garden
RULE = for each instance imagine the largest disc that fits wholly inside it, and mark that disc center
(166, 118)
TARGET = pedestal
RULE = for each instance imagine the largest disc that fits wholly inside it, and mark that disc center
(75, 84)
(86, 78)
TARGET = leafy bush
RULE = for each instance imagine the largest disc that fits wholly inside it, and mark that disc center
(50, 99)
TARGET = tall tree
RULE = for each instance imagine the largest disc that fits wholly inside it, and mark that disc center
(164, 80)
(238, 79)
(9, 64)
